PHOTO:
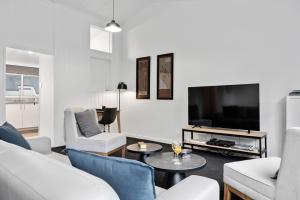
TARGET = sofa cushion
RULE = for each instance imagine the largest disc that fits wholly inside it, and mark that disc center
(10, 134)
(64, 159)
(129, 178)
(87, 123)
(254, 174)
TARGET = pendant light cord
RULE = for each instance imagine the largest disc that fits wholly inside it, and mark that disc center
(113, 9)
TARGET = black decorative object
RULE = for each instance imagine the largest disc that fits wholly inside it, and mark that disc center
(143, 78)
(108, 117)
(165, 76)
(121, 86)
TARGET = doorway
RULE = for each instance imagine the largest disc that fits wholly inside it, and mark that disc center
(29, 92)
(22, 90)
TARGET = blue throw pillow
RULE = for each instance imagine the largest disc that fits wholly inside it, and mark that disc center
(10, 134)
(132, 180)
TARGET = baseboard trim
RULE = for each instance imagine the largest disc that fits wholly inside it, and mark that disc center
(154, 139)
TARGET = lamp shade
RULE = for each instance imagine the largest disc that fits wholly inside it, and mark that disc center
(122, 86)
(113, 27)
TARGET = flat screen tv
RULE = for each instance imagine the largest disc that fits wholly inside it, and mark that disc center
(226, 106)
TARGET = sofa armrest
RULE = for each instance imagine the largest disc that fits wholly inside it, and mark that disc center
(193, 188)
(40, 144)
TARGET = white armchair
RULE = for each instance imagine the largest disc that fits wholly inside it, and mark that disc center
(251, 179)
(288, 182)
(40, 144)
(104, 143)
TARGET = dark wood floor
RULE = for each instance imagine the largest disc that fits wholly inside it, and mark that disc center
(213, 168)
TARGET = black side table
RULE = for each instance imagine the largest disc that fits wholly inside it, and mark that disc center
(175, 173)
(143, 153)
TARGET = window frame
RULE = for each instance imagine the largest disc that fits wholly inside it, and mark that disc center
(110, 51)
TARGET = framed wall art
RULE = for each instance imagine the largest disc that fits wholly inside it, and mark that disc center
(143, 78)
(165, 76)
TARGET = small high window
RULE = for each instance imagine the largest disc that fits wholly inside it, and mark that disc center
(100, 40)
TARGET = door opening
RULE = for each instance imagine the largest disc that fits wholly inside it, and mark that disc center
(22, 90)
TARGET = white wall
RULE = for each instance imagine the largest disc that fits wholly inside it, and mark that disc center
(292, 111)
(100, 83)
(16, 32)
(21, 58)
(46, 75)
(44, 27)
(215, 42)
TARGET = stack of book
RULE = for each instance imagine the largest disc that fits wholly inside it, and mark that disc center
(186, 153)
(295, 93)
(142, 145)
(244, 147)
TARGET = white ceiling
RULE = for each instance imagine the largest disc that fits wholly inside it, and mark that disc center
(124, 9)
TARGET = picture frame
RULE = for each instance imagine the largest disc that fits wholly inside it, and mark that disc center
(143, 77)
(165, 70)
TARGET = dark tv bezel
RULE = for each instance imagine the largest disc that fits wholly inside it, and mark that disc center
(229, 85)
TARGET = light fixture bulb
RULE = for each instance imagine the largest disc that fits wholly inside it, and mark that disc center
(113, 27)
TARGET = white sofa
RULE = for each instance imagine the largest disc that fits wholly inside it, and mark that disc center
(104, 143)
(28, 175)
(251, 179)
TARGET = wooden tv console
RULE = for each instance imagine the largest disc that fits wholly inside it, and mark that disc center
(255, 135)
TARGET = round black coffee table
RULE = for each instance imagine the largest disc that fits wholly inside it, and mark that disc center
(175, 173)
(151, 148)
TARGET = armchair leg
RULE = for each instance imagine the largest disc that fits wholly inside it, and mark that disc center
(228, 190)
(122, 148)
(227, 193)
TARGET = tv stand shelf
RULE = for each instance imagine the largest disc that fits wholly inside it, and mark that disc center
(255, 135)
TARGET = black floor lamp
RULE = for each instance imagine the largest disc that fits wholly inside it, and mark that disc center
(121, 86)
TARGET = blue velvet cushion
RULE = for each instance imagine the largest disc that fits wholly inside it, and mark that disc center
(10, 134)
(132, 180)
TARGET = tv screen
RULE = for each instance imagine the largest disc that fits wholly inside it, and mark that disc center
(227, 106)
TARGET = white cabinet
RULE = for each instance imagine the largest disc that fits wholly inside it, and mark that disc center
(22, 97)
(30, 115)
(23, 115)
(292, 111)
(14, 115)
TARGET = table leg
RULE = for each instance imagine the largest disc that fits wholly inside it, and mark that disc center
(174, 177)
(192, 137)
(266, 149)
(260, 149)
(182, 136)
(142, 157)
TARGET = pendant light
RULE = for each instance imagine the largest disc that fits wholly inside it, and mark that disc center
(113, 26)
